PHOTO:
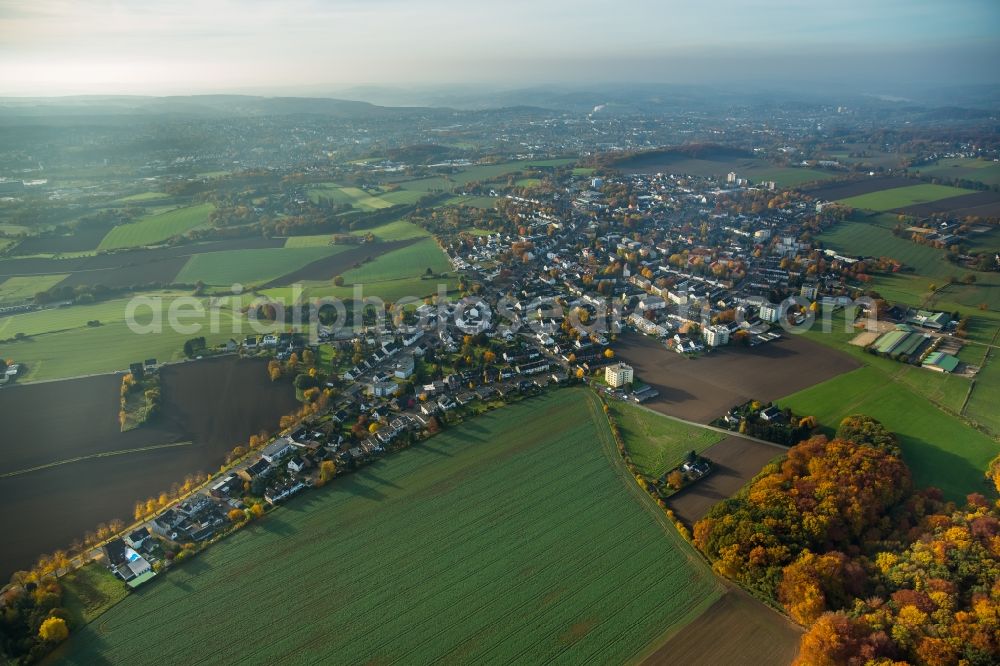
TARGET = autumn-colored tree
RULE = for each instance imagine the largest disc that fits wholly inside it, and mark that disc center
(609, 353)
(53, 630)
(675, 479)
(993, 472)
(274, 370)
(237, 515)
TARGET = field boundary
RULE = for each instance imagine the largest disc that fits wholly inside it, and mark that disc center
(92, 456)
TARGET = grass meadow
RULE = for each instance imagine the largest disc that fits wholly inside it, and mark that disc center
(21, 288)
(899, 197)
(408, 262)
(517, 536)
(921, 406)
(157, 228)
(984, 171)
(656, 443)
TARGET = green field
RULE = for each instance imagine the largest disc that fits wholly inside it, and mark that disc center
(89, 591)
(985, 398)
(62, 345)
(251, 266)
(899, 197)
(354, 196)
(157, 228)
(528, 182)
(471, 174)
(472, 202)
(319, 240)
(656, 443)
(408, 262)
(401, 197)
(17, 289)
(984, 171)
(143, 196)
(941, 450)
(387, 290)
(516, 537)
(872, 237)
(393, 231)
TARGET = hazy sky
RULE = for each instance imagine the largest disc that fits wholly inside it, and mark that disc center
(52, 47)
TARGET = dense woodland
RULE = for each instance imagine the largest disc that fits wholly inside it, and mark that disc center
(880, 573)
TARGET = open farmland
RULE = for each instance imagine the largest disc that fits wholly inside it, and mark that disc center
(18, 289)
(157, 228)
(735, 461)
(843, 189)
(704, 388)
(978, 204)
(983, 171)
(143, 196)
(354, 196)
(64, 443)
(127, 267)
(347, 259)
(746, 629)
(940, 450)
(717, 163)
(81, 240)
(410, 261)
(872, 237)
(902, 197)
(468, 538)
(60, 344)
(656, 443)
(252, 266)
(396, 230)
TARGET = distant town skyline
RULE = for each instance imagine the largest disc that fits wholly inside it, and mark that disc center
(62, 47)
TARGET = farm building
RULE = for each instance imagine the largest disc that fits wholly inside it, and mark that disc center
(903, 341)
(941, 362)
(934, 320)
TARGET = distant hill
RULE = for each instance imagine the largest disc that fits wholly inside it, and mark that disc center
(192, 105)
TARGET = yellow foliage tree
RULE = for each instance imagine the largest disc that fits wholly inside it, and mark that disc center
(53, 630)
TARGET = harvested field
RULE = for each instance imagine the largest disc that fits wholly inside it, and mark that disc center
(479, 542)
(854, 188)
(734, 628)
(222, 401)
(208, 407)
(79, 241)
(704, 388)
(163, 271)
(329, 267)
(736, 460)
(982, 204)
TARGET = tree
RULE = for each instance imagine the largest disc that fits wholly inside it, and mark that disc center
(53, 630)
(993, 472)
(675, 479)
(237, 515)
(609, 353)
(339, 281)
(274, 370)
